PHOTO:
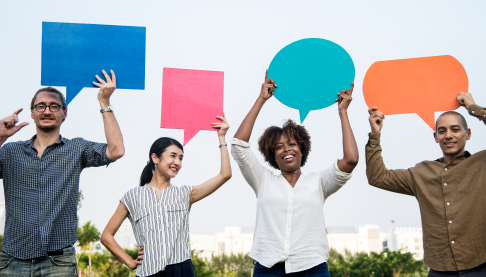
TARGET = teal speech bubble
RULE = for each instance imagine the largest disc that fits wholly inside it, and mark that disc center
(310, 73)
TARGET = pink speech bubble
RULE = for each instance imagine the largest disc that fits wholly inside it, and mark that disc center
(191, 100)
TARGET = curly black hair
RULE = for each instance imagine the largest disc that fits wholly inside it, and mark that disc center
(269, 139)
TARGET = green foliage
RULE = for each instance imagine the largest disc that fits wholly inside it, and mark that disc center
(87, 234)
(104, 264)
(239, 264)
(386, 263)
(1, 242)
(201, 267)
(80, 199)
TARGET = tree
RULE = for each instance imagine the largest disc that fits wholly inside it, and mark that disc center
(201, 267)
(386, 263)
(240, 264)
(87, 235)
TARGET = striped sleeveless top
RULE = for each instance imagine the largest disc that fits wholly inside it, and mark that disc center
(160, 225)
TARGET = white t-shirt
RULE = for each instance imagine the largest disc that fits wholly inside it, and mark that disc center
(290, 224)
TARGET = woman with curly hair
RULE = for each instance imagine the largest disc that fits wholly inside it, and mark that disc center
(290, 237)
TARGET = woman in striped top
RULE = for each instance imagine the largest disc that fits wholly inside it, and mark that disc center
(159, 211)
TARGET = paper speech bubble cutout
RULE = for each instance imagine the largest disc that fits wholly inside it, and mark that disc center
(419, 85)
(191, 100)
(72, 54)
(310, 73)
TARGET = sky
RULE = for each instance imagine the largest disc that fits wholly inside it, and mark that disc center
(241, 39)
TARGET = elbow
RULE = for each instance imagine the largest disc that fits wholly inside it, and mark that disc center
(105, 238)
(352, 161)
(117, 154)
(226, 176)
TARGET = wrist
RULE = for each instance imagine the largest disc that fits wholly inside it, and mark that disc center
(104, 104)
(343, 112)
(261, 100)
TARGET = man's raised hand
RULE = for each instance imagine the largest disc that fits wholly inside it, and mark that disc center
(8, 126)
(376, 120)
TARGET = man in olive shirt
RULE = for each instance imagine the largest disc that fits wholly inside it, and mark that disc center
(451, 192)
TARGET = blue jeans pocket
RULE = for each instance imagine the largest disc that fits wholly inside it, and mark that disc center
(4, 260)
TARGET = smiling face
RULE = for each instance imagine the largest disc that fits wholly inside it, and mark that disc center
(48, 120)
(451, 135)
(287, 154)
(169, 163)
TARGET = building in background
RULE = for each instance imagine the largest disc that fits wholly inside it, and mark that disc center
(368, 238)
(234, 240)
(347, 239)
(410, 239)
(124, 236)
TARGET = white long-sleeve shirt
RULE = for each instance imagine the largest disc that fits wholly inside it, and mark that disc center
(290, 224)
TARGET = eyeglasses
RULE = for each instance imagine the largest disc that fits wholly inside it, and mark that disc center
(42, 107)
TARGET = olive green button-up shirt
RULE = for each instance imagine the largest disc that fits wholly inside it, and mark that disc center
(452, 200)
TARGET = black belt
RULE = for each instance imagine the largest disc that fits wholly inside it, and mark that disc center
(57, 252)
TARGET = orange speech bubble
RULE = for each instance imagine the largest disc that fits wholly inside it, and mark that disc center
(419, 85)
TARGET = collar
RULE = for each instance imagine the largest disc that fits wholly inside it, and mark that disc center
(463, 156)
(30, 142)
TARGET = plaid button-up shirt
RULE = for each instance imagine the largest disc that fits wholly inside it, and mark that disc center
(41, 193)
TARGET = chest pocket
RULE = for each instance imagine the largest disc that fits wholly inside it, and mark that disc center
(176, 214)
(141, 219)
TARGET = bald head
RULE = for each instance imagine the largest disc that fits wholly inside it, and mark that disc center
(463, 120)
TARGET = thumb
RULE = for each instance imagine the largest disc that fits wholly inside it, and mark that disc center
(20, 126)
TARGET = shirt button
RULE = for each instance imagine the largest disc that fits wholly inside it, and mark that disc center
(445, 169)
(448, 203)
(473, 112)
(453, 242)
(445, 184)
(450, 221)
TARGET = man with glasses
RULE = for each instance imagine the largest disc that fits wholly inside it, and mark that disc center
(41, 183)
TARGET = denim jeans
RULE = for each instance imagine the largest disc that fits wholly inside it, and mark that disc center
(278, 270)
(54, 266)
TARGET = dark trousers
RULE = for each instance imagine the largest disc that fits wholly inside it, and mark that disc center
(183, 269)
(278, 270)
(479, 271)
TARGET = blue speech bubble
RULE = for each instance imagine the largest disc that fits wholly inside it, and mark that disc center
(310, 73)
(72, 54)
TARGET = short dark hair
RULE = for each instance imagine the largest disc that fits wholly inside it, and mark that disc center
(269, 139)
(49, 89)
(463, 120)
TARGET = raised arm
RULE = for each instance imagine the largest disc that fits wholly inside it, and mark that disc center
(246, 127)
(466, 100)
(211, 185)
(115, 149)
(108, 238)
(8, 126)
(399, 180)
(350, 149)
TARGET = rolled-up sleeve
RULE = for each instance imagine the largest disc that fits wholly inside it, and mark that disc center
(94, 154)
(332, 179)
(250, 167)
